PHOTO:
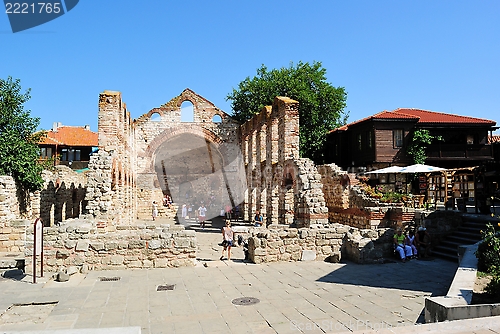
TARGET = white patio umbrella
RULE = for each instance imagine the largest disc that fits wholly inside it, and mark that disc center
(387, 170)
(419, 168)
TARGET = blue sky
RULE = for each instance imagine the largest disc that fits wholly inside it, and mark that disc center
(436, 55)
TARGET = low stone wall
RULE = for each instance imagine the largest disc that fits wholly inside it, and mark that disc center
(281, 243)
(456, 305)
(374, 217)
(9, 205)
(12, 236)
(368, 245)
(81, 246)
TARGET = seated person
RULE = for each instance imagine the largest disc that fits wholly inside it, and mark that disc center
(258, 219)
(423, 242)
(410, 241)
(403, 250)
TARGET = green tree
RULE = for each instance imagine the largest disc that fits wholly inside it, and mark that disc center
(321, 106)
(421, 139)
(19, 150)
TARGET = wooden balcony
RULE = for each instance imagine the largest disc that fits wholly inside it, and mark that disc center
(459, 152)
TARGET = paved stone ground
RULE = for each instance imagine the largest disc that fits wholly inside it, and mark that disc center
(307, 297)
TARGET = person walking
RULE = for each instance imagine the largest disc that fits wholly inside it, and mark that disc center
(202, 211)
(228, 210)
(227, 239)
(184, 212)
(154, 212)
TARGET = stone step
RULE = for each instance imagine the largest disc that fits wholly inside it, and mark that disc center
(11, 261)
(463, 240)
(445, 256)
(449, 249)
(471, 230)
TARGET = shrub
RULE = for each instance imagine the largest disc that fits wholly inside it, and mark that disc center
(392, 197)
(488, 251)
(493, 287)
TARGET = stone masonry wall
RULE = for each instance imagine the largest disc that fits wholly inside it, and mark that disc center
(133, 147)
(331, 243)
(99, 193)
(9, 206)
(12, 229)
(348, 204)
(82, 246)
(62, 196)
(283, 187)
(111, 171)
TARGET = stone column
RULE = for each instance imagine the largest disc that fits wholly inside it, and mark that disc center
(271, 161)
(264, 179)
(258, 159)
(109, 119)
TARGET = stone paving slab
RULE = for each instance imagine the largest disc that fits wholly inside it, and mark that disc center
(301, 297)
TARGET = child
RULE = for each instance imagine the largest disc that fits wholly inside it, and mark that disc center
(228, 237)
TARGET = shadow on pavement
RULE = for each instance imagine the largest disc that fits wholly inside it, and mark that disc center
(433, 277)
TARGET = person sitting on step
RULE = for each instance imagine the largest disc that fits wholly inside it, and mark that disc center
(403, 250)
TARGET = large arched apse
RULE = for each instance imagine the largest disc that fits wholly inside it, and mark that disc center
(192, 169)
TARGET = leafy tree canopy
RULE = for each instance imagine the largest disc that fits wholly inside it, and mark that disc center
(420, 140)
(19, 150)
(321, 106)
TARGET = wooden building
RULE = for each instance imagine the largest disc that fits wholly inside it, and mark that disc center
(69, 145)
(382, 140)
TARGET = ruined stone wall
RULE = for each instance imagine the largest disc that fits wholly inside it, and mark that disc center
(350, 205)
(124, 174)
(83, 246)
(111, 194)
(330, 243)
(99, 195)
(62, 196)
(12, 233)
(9, 206)
(285, 188)
(336, 187)
(161, 125)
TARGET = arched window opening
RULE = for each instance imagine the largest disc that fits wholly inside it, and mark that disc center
(217, 119)
(155, 117)
(187, 112)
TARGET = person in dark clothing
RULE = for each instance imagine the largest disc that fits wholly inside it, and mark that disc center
(423, 242)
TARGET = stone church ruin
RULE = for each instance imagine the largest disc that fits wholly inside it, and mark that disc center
(255, 165)
(311, 212)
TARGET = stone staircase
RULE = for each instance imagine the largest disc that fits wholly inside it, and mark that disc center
(467, 234)
(163, 212)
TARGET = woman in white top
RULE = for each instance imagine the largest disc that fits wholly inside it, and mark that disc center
(228, 237)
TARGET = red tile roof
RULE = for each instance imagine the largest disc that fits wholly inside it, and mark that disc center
(421, 116)
(71, 136)
(426, 116)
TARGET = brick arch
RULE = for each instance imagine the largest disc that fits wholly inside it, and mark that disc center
(187, 99)
(172, 132)
(147, 116)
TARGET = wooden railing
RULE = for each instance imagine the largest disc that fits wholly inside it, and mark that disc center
(459, 151)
